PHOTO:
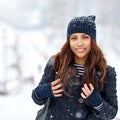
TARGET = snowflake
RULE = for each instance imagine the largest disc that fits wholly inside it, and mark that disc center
(51, 116)
(71, 114)
(68, 110)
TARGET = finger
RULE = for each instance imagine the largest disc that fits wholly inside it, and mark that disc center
(84, 91)
(56, 82)
(91, 86)
(58, 95)
(56, 86)
(86, 88)
(57, 91)
(83, 96)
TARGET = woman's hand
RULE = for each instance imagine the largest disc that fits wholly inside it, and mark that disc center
(87, 90)
(57, 88)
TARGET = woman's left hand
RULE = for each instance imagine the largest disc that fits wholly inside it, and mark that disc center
(87, 90)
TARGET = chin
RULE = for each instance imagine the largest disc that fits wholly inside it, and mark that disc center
(81, 56)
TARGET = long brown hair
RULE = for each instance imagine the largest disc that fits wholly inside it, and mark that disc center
(66, 71)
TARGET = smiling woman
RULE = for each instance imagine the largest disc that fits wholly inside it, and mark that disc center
(78, 81)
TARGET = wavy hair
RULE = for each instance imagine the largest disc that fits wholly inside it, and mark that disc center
(67, 71)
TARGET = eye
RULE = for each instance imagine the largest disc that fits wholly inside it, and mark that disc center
(73, 38)
(86, 37)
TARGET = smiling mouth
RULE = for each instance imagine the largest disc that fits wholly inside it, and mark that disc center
(80, 50)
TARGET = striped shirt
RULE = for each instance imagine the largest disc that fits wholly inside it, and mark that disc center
(80, 68)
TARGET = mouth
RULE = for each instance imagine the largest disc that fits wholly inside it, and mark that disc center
(80, 50)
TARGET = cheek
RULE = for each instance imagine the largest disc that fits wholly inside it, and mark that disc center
(89, 48)
(72, 47)
(88, 45)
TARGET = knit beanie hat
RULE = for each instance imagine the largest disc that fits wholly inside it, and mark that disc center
(83, 24)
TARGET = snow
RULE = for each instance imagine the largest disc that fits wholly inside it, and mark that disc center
(35, 48)
(18, 106)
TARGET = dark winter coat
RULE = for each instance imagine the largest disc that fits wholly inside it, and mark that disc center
(74, 108)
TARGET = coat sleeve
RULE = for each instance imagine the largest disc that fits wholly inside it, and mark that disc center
(109, 94)
(41, 93)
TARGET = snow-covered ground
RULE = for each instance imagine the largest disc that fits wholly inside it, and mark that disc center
(18, 106)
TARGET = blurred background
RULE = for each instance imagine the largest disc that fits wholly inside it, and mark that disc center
(33, 30)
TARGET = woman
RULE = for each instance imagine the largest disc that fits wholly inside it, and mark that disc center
(78, 81)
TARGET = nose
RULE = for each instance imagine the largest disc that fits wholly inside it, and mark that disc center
(80, 42)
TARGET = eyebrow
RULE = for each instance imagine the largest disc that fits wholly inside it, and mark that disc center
(76, 35)
(73, 35)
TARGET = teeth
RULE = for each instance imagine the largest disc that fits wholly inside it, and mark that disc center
(80, 49)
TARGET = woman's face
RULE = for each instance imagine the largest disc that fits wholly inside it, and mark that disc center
(80, 44)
